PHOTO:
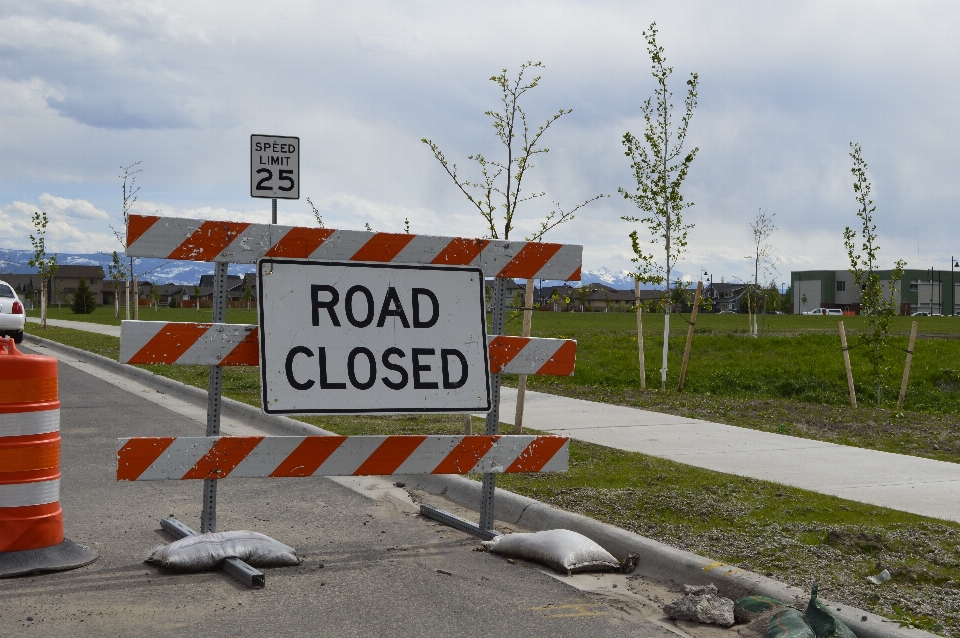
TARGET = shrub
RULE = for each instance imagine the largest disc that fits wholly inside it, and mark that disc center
(83, 300)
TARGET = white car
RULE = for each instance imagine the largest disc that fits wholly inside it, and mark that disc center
(12, 316)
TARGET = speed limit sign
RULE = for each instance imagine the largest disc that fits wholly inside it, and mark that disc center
(274, 167)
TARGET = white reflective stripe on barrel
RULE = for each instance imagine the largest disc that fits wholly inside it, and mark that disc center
(21, 423)
(36, 493)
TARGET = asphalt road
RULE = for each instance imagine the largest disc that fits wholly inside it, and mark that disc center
(373, 567)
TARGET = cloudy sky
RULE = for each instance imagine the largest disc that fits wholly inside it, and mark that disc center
(86, 87)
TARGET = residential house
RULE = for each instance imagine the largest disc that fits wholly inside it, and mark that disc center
(728, 297)
(27, 286)
(65, 282)
(606, 299)
(206, 281)
(553, 297)
(164, 292)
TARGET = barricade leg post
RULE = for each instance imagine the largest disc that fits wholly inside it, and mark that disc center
(493, 416)
(208, 517)
(249, 576)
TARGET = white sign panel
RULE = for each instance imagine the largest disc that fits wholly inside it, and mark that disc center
(275, 167)
(350, 338)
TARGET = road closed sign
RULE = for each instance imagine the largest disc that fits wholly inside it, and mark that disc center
(275, 166)
(356, 338)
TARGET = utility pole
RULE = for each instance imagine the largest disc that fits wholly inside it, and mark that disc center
(953, 286)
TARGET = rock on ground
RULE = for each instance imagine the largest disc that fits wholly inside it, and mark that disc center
(702, 605)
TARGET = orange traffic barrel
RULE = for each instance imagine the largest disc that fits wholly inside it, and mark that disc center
(31, 519)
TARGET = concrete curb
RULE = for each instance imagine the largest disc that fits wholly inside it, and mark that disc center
(246, 414)
(658, 561)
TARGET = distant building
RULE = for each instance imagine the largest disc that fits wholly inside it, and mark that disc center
(64, 284)
(206, 281)
(25, 285)
(727, 297)
(936, 292)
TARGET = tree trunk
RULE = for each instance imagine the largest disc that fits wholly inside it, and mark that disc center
(525, 332)
(666, 348)
(643, 367)
(43, 303)
(136, 299)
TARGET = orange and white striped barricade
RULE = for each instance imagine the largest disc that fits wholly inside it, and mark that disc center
(228, 344)
(218, 458)
(217, 344)
(193, 458)
(31, 519)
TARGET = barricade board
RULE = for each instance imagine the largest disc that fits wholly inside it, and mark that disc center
(229, 344)
(191, 458)
(245, 243)
(353, 338)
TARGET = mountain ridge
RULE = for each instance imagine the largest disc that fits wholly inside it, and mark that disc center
(163, 271)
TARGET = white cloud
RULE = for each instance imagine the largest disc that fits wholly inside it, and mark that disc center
(70, 227)
(88, 86)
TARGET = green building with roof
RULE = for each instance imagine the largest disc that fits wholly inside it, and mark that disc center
(936, 292)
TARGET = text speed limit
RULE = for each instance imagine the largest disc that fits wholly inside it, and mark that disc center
(275, 167)
(347, 338)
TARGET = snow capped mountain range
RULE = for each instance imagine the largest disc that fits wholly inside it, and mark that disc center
(161, 271)
(165, 271)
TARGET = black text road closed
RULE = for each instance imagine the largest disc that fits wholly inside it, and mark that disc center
(275, 167)
(348, 338)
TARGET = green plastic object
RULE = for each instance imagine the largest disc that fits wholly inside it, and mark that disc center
(788, 623)
(757, 604)
(822, 621)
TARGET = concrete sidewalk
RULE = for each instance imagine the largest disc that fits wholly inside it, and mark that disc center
(901, 482)
(906, 483)
(86, 326)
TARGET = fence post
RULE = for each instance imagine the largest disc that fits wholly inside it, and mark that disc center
(906, 367)
(208, 518)
(693, 323)
(493, 416)
(846, 362)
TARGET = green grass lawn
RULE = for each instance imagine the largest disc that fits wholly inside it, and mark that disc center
(786, 363)
(790, 380)
(793, 535)
(104, 314)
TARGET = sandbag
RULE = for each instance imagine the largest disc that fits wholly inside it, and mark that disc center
(788, 623)
(749, 608)
(205, 551)
(562, 550)
(822, 621)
